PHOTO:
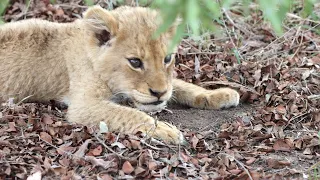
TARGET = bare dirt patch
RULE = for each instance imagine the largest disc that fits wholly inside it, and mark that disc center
(198, 119)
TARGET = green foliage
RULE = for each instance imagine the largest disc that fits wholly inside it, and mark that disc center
(308, 7)
(275, 11)
(194, 13)
(3, 6)
(200, 14)
(314, 172)
(89, 2)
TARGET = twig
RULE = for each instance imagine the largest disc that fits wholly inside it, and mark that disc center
(241, 164)
(18, 163)
(293, 118)
(314, 97)
(208, 53)
(24, 99)
(72, 6)
(300, 44)
(277, 39)
(226, 28)
(26, 9)
(150, 146)
(300, 18)
(109, 149)
(236, 25)
(23, 137)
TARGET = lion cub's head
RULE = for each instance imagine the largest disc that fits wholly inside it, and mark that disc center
(130, 59)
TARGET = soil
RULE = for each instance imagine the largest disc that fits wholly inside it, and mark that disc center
(197, 119)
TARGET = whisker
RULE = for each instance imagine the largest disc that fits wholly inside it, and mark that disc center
(174, 98)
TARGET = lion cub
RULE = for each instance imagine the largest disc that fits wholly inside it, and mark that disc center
(94, 59)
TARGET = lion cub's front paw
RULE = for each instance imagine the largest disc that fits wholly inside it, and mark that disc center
(169, 133)
(217, 99)
(166, 132)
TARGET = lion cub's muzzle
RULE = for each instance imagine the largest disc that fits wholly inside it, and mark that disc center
(141, 101)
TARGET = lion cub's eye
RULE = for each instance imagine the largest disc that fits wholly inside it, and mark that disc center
(167, 59)
(136, 63)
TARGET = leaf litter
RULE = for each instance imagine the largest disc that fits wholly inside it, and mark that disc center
(278, 76)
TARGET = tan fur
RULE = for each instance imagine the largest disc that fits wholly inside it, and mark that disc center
(55, 61)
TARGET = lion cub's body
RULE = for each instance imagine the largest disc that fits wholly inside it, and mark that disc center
(32, 60)
(87, 62)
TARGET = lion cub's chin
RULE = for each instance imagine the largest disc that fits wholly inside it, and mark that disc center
(150, 107)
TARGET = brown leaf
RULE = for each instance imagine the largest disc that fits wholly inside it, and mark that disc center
(12, 127)
(184, 157)
(257, 76)
(254, 175)
(224, 134)
(307, 151)
(152, 165)
(264, 148)
(99, 162)
(195, 162)
(59, 12)
(59, 171)
(139, 171)
(66, 148)
(82, 149)
(47, 119)
(282, 145)
(273, 163)
(135, 144)
(35, 176)
(104, 177)
(250, 160)
(47, 163)
(64, 162)
(46, 137)
(96, 151)
(298, 144)
(281, 109)
(127, 168)
(314, 142)
(8, 171)
(194, 141)
(126, 143)
(235, 171)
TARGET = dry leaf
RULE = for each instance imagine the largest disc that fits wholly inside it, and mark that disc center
(127, 167)
(99, 162)
(273, 163)
(282, 145)
(35, 176)
(46, 137)
(82, 149)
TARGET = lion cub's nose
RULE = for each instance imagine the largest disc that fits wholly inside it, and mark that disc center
(157, 94)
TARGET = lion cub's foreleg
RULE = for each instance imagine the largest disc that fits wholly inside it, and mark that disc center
(198, 97)
(91, 110)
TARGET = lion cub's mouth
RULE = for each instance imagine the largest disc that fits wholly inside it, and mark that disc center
(153, 103)
(151, 107)
(124, 99)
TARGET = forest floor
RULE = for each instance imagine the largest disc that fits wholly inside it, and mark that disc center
(273, 134)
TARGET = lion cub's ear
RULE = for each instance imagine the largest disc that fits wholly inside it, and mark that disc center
(102, 22)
